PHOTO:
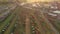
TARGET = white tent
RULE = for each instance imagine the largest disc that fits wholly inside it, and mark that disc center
(58, 12)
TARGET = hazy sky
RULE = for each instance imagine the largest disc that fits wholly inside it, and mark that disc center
(39, 0)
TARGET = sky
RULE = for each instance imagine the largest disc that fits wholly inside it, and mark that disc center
(39, 0)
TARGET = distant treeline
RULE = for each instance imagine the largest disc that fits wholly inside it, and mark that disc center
(3, 0)
(6, 1)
